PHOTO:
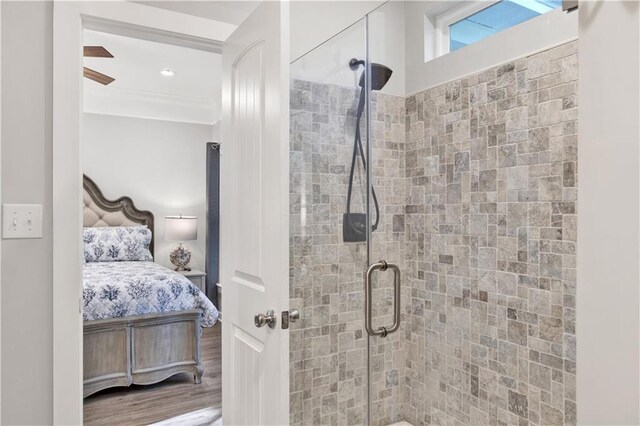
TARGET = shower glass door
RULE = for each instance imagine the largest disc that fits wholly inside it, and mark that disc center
(387, 189)
(329, 347)
(347, 228)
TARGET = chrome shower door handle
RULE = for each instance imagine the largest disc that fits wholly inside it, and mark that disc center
(368, 320)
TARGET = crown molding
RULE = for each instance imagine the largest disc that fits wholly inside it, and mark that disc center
(151, 105)
(153, 34)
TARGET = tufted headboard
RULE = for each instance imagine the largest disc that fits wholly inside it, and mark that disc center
(98, 211)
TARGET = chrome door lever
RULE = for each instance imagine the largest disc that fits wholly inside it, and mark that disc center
(382, 331)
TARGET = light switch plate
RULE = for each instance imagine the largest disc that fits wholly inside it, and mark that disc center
(21, 221)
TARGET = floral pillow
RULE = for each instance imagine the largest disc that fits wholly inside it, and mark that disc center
(117, 243)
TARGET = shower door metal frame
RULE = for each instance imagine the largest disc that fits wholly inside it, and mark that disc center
(369, 150)
(382, 265)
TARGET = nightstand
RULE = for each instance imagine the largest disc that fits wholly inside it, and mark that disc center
(198, 278)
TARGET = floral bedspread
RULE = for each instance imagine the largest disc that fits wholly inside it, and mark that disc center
(120, 289)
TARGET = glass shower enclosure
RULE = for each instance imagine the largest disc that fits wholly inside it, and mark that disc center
(460, 169)
(347, 198)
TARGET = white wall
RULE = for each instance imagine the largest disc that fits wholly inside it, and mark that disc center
(313, 22)
(386, 41)
(608, 202)
(161, 165)
(322, 28)
(537, 34)
(27, 265)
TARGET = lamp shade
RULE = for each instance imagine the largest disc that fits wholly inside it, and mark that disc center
(180, 228)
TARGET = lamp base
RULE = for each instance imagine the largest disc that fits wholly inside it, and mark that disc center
(180, 257)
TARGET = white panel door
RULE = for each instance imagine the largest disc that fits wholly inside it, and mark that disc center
(254, 222)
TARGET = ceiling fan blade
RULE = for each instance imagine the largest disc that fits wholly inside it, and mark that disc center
(96, 76)
(96, 52)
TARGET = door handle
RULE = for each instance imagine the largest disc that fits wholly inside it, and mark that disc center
(260, 320)
(382, 331)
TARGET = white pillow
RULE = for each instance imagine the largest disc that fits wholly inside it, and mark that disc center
(117, 243)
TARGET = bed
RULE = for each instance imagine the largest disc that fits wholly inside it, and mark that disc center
(142, 322)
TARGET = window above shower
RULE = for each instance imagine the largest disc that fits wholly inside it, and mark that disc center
(472, 22)
(446, 38)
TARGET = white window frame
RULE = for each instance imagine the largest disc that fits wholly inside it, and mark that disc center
(452, 16)
(445, 20)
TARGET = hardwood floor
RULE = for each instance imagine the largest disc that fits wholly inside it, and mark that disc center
(142, 405)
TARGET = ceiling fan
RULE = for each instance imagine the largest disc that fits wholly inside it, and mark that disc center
(97, 52)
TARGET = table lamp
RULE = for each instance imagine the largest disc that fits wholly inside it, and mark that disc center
(181, 229)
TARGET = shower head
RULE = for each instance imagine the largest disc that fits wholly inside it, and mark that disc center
(380, 74)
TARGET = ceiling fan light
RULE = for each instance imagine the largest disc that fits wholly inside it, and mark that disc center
(167, 72)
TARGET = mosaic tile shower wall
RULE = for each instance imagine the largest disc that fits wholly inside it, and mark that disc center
(477, 183)
(329, 346)
(491, 245)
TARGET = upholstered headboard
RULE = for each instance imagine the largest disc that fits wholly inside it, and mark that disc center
(99, 211)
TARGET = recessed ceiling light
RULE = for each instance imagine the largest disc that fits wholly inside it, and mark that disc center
(167, 72)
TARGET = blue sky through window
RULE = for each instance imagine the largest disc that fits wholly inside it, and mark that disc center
(495, 18)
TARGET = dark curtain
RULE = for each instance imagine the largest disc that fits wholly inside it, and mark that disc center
(213, 220)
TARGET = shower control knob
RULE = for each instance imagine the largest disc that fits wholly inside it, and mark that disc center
(260, 320)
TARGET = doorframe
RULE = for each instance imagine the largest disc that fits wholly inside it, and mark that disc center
(0, 213)
(69, 19)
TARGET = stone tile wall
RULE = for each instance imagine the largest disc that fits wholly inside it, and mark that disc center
(490, 245)
(388, 243)
(477, 186)
(329, 345)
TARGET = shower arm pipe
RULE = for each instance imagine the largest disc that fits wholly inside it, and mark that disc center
(355, 63)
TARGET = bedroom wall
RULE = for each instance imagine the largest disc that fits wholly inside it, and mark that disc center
(161, 165)
(215, 131)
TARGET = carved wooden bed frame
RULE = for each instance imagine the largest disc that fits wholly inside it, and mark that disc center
(142, 349)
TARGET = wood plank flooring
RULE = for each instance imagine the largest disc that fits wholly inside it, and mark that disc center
(143, 405)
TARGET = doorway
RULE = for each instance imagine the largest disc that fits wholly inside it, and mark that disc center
(143, 24)
(150, 110)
